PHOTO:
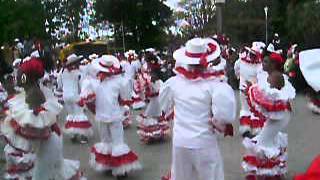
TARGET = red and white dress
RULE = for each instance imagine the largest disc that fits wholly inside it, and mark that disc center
(139, 87)
(247, 70)
(77, 123)
(266, 154)
(112, 153)
(28, 130)
(152, 124)
(19, 164)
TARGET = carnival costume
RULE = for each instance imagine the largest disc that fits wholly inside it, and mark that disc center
(266, 154)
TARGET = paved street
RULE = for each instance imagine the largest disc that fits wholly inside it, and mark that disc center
(303, 146)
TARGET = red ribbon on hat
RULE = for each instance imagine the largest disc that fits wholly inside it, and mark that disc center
(203, 56)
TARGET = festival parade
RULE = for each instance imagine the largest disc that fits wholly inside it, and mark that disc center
(159, 90)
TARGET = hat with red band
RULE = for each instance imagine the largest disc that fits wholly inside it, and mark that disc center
(198, 51)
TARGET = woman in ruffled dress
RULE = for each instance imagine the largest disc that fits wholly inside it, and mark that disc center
(270, 99)
(31, 125)
(19, 163)
(77, 125)
(152, 123)
(247, 67)
(112, 153)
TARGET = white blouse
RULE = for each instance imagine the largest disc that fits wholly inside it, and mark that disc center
(195, 102)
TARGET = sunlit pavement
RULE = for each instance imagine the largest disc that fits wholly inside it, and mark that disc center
(304, 145)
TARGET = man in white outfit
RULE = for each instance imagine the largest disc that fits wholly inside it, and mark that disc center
(201, 103)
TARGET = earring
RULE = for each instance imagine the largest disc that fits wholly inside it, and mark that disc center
(23, 78)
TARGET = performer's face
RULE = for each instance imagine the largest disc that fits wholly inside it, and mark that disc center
(266, 64)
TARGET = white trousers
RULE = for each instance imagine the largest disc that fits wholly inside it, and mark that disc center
(197, 164)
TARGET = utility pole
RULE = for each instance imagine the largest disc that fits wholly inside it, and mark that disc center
(219, 4)
(123, 40)
(266, 15)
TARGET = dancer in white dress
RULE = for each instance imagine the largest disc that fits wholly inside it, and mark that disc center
(270, 98)
(111, 153)
(19, 163)
(31, 125)
(247, 68)
(77, 123)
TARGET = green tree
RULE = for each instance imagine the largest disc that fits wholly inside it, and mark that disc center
(143, 21)
(21, 19)
(303, 23)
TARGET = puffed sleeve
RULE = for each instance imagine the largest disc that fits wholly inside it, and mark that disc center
(224, 106)
(125, 94)
(237, 68)
(166, 96)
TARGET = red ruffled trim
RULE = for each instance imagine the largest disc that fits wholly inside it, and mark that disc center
(259, 123)
(123, 102)
(80, 124)
(245, 121)
(30, 132)
(20, 168)
(196, 75)
(252, 107)
(39, 109)
(261, 163)
(109, 160)
(100, 158)
(124, 159)
(86, 100)
(270, 106)
(149, 129)
(151, 95)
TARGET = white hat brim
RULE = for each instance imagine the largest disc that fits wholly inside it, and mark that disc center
(98, 67)
(78, 59)
(181, 57)
(309, 62)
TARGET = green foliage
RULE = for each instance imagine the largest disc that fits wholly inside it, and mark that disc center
(144, 21)
(21, 18)
(304, 23)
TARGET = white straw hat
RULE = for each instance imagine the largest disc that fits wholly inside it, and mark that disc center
(197, 49)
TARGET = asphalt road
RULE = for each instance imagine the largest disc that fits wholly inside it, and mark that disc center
(304, 145)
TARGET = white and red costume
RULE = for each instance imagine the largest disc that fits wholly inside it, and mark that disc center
(140, 83)
(19, 163)
(36, 130)
(152, 123)
(112, 153)
(131, 68)
(309, 62)
(77, 123)
(247, 68)
(266, 154)
(197, 97)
